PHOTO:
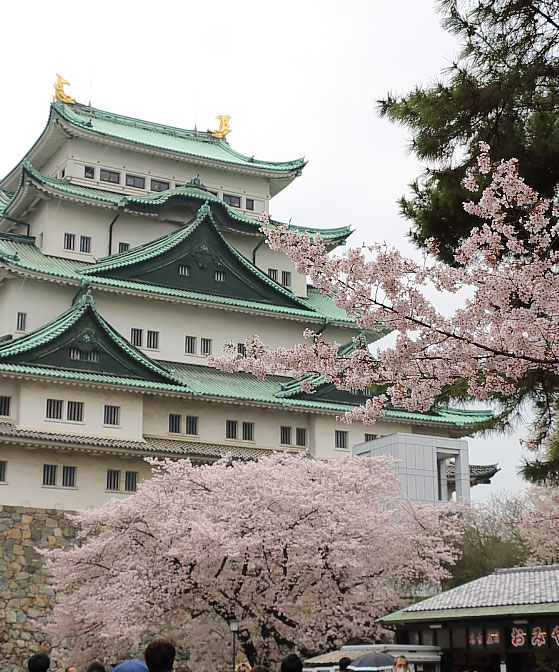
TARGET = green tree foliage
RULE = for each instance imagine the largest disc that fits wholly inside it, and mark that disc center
(493, 538)
(503, 89)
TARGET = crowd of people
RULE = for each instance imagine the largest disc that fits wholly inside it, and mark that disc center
(159, 656)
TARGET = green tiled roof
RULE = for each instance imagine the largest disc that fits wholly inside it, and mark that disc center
(207, 381)
(200, 145)
(157, 249)
(63, 324)
(27, 257)
(63, 187)
(6, 196)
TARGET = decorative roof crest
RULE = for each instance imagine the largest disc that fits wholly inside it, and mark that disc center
(223, 129)
(59, 93)
(196, 182)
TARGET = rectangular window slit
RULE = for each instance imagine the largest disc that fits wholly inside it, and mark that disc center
(69, 477)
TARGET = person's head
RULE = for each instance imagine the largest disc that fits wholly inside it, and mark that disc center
(132, 665)
(45, 647)
(260, 668)
(343, 663)
(40, 662)
(70, 668)
(160, 655)
(291, 663)
(401, 664)
(95, 666)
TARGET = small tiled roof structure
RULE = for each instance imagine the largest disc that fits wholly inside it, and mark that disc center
(505, 591)
(479, 473)
(150, 445)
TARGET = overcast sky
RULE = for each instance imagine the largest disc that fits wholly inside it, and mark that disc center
(298, 79)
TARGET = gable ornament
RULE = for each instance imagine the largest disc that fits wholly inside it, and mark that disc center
(223, 129)
(59, 93)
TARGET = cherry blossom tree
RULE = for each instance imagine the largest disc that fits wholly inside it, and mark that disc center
(501, 342)
(303, 553)
(539, 525)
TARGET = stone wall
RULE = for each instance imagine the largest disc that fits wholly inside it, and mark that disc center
(25, 593)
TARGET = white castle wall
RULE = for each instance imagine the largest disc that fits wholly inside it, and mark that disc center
(72, 157)
(33, 399)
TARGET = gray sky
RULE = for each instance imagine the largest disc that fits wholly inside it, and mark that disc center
(298, 78)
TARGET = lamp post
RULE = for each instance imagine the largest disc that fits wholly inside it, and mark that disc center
(234, 627)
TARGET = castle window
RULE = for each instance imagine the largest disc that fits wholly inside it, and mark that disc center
(341, 439)
(74, 411)
(159, 185)
(74, 353)
(3, 469)
(273, 273)
(174, 423)
(136, 181)
(110, 176)
(248, 431)
(54, 409)
(241, 349)
(113, 479)
(112, 415)
(92, 356)
(123, 247)
(136, 337)
(191, 425)
(85, 244)
(206, 346)
(49, 474)
(370, 437)
(190, 345)
(89, 172)
(219, 276)
(235, 201)
(152, 341)
(68, 477)
(301, 436)
(184, 269)
(5, 403)
(21, 321)
(285, 436)
(249, 204)
(230, 429)
(69, 241)
(131, 481)
(286, 278)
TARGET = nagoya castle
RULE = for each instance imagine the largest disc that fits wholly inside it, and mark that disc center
(129, 252)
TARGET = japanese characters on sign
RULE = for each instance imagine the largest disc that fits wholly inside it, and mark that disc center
(517, 637)
(539, 637)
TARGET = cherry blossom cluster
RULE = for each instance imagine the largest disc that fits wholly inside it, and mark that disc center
(303, 553)
(505, 332)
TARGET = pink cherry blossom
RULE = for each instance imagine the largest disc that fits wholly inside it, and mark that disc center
(502, 337)
(303, 553)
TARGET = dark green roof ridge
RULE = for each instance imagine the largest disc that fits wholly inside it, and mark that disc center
(170, 240)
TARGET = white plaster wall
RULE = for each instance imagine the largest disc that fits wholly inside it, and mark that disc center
(42, 301)
(212, 417)
(77, 153)
(10, 388)
(325, 427)
(33, 399)
(24, 477)
(175, 321)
